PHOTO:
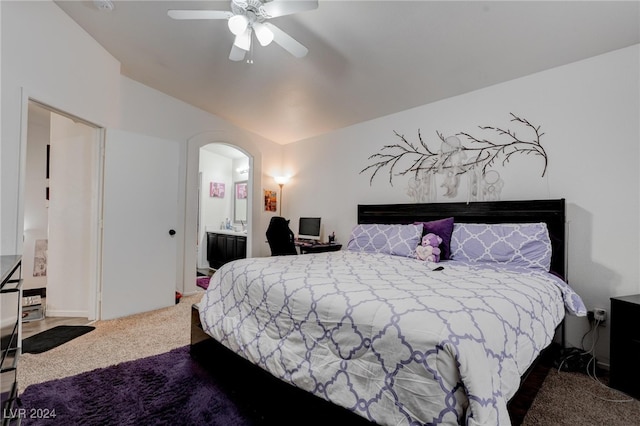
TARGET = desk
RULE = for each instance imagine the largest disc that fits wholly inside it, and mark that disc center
(317, 247)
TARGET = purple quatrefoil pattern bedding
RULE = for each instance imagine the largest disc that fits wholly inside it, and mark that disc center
(386, 336)
(516, 244)
(398, 240)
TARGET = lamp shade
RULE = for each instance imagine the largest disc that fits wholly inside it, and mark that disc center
(238, 24)
(281, 180)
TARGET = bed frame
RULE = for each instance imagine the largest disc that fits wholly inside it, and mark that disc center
(552, 212)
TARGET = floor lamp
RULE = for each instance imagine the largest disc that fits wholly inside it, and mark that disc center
(281, 180)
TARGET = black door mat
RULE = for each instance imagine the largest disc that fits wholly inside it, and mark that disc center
(53, 337)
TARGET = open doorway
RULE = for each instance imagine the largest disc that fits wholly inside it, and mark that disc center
(193, 225)
(61, 213)
(223, 205)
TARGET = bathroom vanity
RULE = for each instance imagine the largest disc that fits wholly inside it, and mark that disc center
(223, 246)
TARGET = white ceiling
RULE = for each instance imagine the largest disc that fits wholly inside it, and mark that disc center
(366, 59)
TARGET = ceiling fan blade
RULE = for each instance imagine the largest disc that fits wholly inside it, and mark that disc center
(236, 53)
(199, 14)
(277, 8)
(287, 42)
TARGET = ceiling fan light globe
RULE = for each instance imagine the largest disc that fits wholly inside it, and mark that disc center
(243, 41)
(238, 24)
(263, 34)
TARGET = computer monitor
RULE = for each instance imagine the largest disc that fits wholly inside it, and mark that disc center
(309, 228)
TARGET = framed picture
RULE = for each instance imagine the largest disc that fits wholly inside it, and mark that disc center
(40, 258)
(216, 189)
(270, 201)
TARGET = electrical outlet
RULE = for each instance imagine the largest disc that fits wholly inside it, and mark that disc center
(600, 314)
(597, 314)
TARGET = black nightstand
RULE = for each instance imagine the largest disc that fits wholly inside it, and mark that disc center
(624, 369)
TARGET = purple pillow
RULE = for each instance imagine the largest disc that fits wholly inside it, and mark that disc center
(443, 228)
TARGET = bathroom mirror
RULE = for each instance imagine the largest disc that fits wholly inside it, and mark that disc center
(240, 202)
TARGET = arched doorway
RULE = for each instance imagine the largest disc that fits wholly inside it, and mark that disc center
(223, 173)
(192, 208)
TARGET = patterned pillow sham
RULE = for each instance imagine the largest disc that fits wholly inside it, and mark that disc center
(517, 244)
(398, 240)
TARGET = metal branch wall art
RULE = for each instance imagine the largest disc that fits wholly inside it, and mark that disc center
(455, 159)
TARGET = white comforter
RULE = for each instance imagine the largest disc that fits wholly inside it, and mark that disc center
(385, 336)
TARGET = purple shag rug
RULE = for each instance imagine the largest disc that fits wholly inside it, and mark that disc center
(169, 388)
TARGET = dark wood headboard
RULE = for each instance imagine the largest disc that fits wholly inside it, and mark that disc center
(552, 212)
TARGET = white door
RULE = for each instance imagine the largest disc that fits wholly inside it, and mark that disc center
(140, 218)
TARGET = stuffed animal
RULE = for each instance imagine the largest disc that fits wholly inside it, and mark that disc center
(429, 249)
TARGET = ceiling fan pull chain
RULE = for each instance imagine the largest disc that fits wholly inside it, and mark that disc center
(250, 58)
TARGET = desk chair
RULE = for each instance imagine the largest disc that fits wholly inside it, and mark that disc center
(280, 237)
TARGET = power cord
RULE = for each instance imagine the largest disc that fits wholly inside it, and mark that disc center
(575, 359)
(591, 365)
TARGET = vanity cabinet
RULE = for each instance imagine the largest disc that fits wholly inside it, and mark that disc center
(225, 247)
(10, 301)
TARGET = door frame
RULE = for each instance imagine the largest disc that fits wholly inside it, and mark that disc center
(95, 284)
(191, 193)
(230, 191)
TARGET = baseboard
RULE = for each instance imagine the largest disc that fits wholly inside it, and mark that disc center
(61, 313)
(191, 293)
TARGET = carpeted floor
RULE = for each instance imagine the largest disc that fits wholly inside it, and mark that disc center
(563, 398)
(570, 399)
(112, 342)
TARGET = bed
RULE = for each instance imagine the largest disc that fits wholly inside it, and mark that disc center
(395, 339)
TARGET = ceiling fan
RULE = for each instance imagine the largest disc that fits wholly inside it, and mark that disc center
(249, 17)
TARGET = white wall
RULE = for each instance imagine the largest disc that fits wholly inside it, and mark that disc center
(589, 112)
(46, 54)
